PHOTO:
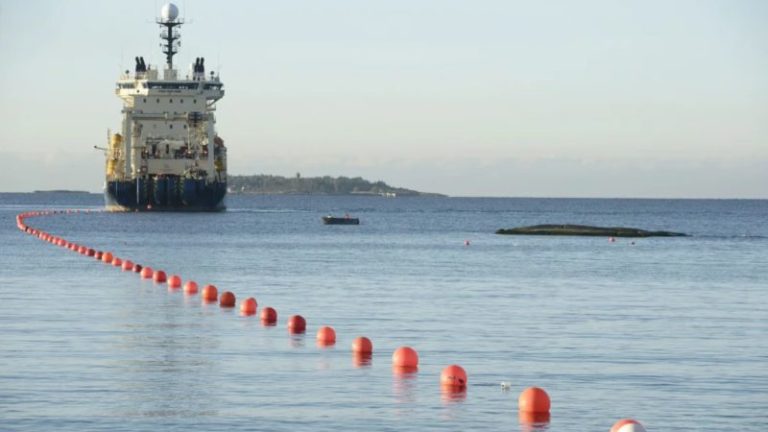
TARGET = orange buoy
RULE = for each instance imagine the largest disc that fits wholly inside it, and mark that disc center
(297, 324)
(210, 293)
(146, 273)
(534, 399)
(82, 250)
(248, 306)
(453, 376)
(117, 262)
(362, 345)
(533, 419)
(227, 299)
(326, 335)
(405, 357)
(627, 425)
(159, 276)
(190, 287)
(98, 255)
(127, 265)
(106, 257)
(174, 282)
(268, 316)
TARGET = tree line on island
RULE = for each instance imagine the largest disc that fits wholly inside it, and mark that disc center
(278, 185)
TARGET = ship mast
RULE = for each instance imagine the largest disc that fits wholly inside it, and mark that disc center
(169, 35)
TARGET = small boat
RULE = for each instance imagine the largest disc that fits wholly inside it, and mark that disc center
(346, 220)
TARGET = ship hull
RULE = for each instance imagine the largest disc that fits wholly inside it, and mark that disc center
(170, 193)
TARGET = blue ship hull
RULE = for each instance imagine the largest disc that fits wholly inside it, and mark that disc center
(169, 193)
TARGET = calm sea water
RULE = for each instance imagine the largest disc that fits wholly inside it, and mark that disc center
(671, 331)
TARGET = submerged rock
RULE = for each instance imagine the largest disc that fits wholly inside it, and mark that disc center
(586, 230)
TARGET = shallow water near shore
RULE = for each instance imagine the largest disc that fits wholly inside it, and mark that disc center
(671, 331)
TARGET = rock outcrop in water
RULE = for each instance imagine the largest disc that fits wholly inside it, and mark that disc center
(586, 230)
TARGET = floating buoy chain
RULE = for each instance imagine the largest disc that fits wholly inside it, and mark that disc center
(533, 403)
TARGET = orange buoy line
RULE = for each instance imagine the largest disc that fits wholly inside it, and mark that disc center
(106, 257)
(533, 403)
(405, 357)
(453, 376)
(362, 345)
(190, 287)
(268, 316)
(534, 400)
(326, 336)
(174, 282)
(297, 324)
(159, 276)
(146, 273)
(248, 306)
(627, 425)
(227, 299)
(210, 294)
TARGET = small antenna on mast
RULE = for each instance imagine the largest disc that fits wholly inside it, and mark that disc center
(169, 19)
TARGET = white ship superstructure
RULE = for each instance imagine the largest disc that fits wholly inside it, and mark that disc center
(168, 155)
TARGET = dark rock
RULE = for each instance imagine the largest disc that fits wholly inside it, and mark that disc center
(586, 230)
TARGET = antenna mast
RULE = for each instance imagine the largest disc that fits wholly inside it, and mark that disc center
(169, 35)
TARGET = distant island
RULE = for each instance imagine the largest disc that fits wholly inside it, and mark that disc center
(264, 184)
(61, 191)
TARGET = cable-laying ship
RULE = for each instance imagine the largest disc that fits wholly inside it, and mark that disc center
(168, 156)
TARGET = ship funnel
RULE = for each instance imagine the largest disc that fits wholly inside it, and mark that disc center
(141, 67)
(198, 69)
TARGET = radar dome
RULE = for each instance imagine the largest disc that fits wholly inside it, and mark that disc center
(169, 12)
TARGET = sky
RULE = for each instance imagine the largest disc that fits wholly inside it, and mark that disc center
(589, 98)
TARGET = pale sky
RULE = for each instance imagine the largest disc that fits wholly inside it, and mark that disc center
(463, 97)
